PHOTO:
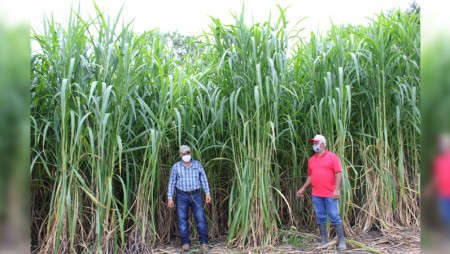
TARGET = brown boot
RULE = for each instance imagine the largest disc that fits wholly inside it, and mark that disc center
(186, 247)
(205, 248)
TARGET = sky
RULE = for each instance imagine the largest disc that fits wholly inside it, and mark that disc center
(191, 17)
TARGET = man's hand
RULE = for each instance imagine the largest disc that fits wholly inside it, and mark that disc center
(208, 199)
(300, 193)
(170, 203)
(336, 194)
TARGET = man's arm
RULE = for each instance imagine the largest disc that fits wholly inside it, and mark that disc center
(302, 190)
(337, 168)
(172, 183)
(430, 188)
(204, 184)
(338, 177)
(307, 183)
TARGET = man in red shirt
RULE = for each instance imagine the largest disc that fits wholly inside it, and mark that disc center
(441, 181)
(325, 174)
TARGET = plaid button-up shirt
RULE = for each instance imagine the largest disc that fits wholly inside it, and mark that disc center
(187, 179)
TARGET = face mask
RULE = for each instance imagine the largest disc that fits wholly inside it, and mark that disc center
(186, 158)
(317, 148)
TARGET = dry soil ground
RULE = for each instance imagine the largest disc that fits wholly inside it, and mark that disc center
(406, 240)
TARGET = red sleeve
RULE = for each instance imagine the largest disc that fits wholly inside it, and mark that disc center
(337, 165)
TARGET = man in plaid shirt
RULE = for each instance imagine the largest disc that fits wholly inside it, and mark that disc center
(186, 178)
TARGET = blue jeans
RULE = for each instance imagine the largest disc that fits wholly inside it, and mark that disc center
(326, 206)
(444, 209)
(194, 201)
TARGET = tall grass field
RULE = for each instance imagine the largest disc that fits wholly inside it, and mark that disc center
(110, 108)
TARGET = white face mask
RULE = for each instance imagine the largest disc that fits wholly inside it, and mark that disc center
(317, 148)
(186, 158)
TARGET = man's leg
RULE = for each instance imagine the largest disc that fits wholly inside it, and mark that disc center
(321, 217)
(332, 207)
(335, 219)
(444, 209)
(200, 219)
(183, 216)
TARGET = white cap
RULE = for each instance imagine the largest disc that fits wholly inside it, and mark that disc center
(184, 149)
(318, 138)
(444, 142)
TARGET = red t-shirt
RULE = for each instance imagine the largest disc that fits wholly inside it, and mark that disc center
(442, 174)
(322, 170)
